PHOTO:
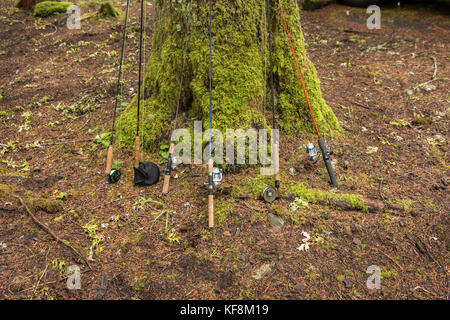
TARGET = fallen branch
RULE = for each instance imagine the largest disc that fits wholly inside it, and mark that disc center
(50, 232)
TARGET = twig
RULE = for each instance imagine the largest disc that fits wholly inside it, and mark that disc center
(387, 256)
(432, 79)
(49, 231)
(37, 284)
(254, 208)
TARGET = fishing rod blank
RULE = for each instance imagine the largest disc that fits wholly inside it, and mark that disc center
(325, 153)
(171, 161)
(137, 142)
(211, 161)
(269, 193)
(114, 175)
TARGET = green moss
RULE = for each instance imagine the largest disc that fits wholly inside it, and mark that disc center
(298, 189)
(49, 8)
(292, 101)
(34, 203)
(255, 185)
(107, 10)
(222, 211)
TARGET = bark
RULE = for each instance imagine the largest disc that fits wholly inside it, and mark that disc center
(241, 87)
(26, 4)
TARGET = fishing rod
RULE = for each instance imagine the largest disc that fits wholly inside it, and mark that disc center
(325, 152)
(172, 162)
(210, 161)
(145, 173)
(137, 142)
(270, 193)
(114, 175)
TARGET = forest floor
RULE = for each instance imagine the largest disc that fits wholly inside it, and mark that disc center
(388, 88)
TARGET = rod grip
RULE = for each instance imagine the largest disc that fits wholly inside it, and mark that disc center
(326, 158)
(276, 160)
(210, 195)
(137, 152)
(168, 170)
(109, 159)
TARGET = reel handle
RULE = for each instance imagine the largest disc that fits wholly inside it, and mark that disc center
(109, 159)
(326, 158)
(137, 152)
(210, 194)
(168, 170)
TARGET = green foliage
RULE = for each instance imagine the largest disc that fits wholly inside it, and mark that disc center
(103, 139)
(48, 8)
(164, 151)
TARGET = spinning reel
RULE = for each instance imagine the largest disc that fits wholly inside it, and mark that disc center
(217, 177)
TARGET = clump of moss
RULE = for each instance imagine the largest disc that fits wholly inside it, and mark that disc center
(34, 203)
(48, 8)
(222, 211)
(107, 10)
(355, 201)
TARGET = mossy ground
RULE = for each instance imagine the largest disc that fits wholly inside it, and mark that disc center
(48, 8)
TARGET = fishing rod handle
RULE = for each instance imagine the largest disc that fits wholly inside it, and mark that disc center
(109, 159)
(168, 170)
(137, 152)
(210, 194)
(326, 158)
(276, 159)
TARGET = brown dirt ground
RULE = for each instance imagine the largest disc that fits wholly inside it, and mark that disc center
(368, 77)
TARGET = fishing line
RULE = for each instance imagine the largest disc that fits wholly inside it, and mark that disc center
(115, 176)
(325, 152)
(171, 161)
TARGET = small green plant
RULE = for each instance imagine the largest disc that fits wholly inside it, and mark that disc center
(91, 229)
(164, 151)
(59, 265)
(103, 139)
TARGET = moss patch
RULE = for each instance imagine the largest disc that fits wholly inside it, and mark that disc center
(298, 189)
(107, 10)
(49, 8)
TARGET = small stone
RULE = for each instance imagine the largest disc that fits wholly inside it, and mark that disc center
(264, 270)
(357, 241)
(277, 222)
(348, 283)
(346, 163)
(348, 231)
(227, 233)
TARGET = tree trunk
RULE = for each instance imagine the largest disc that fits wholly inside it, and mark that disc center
(240, 74)
(26, 4)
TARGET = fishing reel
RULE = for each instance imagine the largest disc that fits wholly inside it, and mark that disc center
(313, 154)
(311, 150)
(114, 176)
(217, 177)
(269, 194)
(175, 162)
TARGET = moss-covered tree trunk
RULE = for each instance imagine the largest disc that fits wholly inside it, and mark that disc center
(241, 89)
